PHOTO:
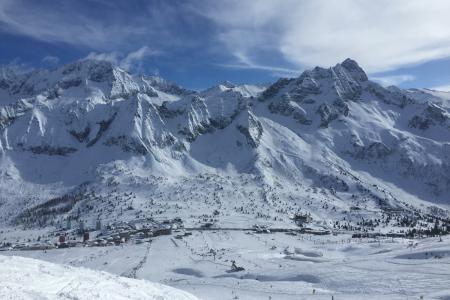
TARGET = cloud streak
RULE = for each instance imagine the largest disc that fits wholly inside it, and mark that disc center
(393, 80)
(50, 60)
(131, 62)
(281, 37)
(95, 24)
(381, 35)
(58, 24)
(442, 88)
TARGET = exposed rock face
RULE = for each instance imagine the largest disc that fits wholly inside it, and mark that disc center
(287, 107)
(325, 92)
(354, 70)
(49, 150)
(251, 129)
(432, 115)
(275, 88)
(375, 150)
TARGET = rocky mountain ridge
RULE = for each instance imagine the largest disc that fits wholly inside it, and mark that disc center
(325, 142)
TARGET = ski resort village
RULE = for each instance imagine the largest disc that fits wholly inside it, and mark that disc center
(319, 171)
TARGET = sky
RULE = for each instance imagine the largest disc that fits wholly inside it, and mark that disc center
(202, 43)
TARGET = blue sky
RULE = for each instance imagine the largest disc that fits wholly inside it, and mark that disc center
(201, 43)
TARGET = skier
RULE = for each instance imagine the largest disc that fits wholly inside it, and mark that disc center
(233, 265)
(235, 268)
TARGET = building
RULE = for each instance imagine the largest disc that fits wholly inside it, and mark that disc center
(85, 237)
(301, 219)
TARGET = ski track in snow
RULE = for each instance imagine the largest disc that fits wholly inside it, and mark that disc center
(134, 270)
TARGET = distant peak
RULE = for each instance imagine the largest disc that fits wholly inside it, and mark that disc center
(94, 69)
(228, 84)
(354, 69)
(91, 62)
(348, 62)
(6, 72)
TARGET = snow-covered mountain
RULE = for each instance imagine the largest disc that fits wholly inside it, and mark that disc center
(89, 140)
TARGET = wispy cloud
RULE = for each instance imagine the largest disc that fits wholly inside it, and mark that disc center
(17, 66)
(244, 62)
(276, 71)
(381, 35)
(50, 60)
(134, 59)
(393, 80)
(58, 24)
(443, 88)
(96, 24)
(106, 56)
(130, 62)
(280, 37)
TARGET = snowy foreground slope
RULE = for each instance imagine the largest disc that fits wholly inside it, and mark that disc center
(25, 278)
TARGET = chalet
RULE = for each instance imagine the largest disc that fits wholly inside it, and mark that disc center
(63, 245)
(124, 235)
(40, 246)
(261, 228)
(61, 239)
(85, 237)
(207, 225)
(301, 219)
(162, 231)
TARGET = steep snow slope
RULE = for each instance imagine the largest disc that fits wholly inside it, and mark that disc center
(25, 278)
(75, 141)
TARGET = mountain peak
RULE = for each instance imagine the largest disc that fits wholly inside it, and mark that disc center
(94, 62)
(228, 84)
(354, 69)
(94, 69)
